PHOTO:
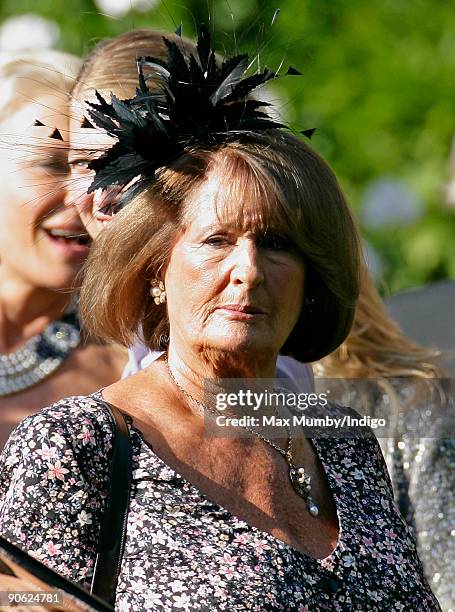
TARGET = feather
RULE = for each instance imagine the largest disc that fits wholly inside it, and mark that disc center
(186, 100)
(177, 65)
(197, 76)
(86, 123)
(236, 70)
(276, 14)
(56, 135)
(103, 105)
(230, 63)
(120, 171)
(203, 46)
(103, 121)
(125, 115)
(308, 133)
(247, 85)
(156, 65)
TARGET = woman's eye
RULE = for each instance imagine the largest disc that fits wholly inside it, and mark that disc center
(79, 164)
(55, 166)
(217, 240)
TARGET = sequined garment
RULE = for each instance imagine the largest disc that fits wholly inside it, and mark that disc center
(418, 443)
(185, 552)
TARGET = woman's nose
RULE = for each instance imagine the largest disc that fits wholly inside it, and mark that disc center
(246, 263)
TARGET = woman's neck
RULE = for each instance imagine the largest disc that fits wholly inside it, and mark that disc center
(204, 374)
(26, 310)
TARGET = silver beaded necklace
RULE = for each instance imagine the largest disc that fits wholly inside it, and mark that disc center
(40, 356)
(300, 481)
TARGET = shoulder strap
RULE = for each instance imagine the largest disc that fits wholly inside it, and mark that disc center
(113, 527)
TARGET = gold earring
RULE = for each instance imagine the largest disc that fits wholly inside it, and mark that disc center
(157, 291)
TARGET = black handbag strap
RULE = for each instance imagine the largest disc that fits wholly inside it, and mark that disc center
(113, 527)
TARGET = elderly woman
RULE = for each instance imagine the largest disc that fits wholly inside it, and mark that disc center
(100, 71)
(235, 244)
(43, 354)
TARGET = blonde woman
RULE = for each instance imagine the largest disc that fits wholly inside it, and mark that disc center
(43, 354)
(386, 375)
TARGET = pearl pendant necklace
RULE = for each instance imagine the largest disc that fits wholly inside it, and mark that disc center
(301, 483)
(300, 480)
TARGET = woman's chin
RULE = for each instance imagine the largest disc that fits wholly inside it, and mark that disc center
(56, 279)
(253, 345)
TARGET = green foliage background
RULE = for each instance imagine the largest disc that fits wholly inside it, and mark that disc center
(379, 85)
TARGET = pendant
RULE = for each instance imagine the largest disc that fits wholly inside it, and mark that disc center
(301, 484)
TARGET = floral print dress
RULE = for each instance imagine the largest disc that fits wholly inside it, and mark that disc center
(185, 552)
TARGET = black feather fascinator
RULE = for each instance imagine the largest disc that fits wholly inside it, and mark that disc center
(195, 99)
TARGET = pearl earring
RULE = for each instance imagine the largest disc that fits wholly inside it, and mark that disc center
(157, 291)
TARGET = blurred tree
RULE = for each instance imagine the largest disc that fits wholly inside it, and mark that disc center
(378, 85)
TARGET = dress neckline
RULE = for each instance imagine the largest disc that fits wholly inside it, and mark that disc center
(330, 559)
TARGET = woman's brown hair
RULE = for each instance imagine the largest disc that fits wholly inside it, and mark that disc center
(283, 184)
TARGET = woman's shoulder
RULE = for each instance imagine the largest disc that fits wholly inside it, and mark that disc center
(97, 365)
(81, 425)
(71, 413)
(54, 481)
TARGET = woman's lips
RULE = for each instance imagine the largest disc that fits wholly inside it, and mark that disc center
(73, 243)
(241, 311)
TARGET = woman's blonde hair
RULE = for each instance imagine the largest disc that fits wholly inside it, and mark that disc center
(112, 65)
(376, 347)
(25, 73)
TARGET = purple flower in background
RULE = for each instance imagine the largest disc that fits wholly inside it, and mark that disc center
(373, 260)
(389, 201)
